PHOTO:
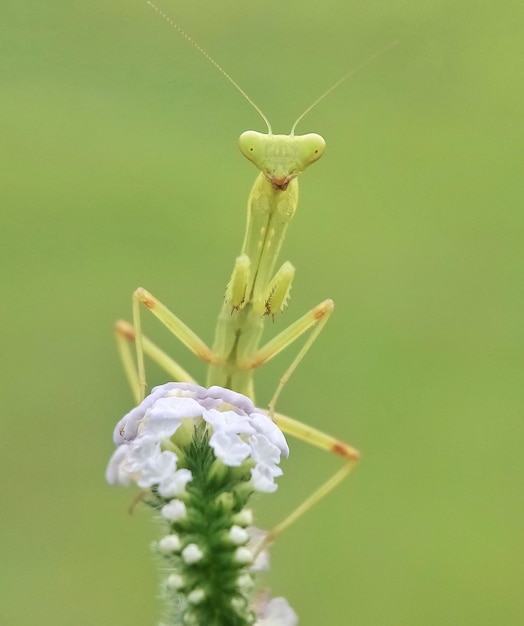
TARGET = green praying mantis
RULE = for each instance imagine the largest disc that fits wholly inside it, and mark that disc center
(255, 292)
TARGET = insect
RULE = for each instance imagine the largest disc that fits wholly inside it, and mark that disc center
(255, 291)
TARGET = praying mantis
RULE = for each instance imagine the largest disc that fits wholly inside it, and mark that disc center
(255, 293)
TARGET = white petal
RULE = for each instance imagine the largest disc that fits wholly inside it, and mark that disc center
(174, 407)
(263, 449)
(230, 449)
(237, 400)
(262, 478)
(127, 428)
(116, 472)
(267, 427)
(228, 421)
(163, 419)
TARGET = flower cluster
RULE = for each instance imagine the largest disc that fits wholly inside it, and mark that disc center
(147, 437)
(201, 453)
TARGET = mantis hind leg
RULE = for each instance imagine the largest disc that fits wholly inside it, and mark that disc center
(125, 337)
(313, 320)
(321, 440)
(127, 334)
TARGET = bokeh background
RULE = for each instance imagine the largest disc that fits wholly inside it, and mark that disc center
(119, 168)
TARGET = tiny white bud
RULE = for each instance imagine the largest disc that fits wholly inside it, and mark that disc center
(245, 582)
(244, 518)
(175, 581)
(190, 619)
(239, 604)
(238, 535)
(169, 543)
(243, 556)
(174, 510)
(196, 596)
(192, 553)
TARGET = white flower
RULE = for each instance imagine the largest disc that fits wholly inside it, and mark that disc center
(262, 476)
(174, 484)
(142, 461)
(229, 448)
(157, 468)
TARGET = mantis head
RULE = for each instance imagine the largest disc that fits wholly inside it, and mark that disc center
(281, 157)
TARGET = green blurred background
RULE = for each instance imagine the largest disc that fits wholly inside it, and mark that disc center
(120, 169)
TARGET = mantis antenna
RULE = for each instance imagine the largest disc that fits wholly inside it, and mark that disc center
(326, 93)
(347, 75)
(179, 30)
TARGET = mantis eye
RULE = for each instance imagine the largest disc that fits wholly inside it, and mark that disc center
(250, 142)
(311, 148)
